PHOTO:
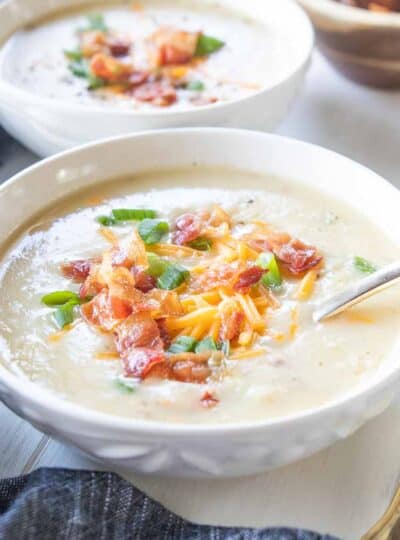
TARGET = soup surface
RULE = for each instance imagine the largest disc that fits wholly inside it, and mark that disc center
(194, 305)
(155, 55)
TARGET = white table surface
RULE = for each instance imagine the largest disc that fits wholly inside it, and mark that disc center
(342, 490)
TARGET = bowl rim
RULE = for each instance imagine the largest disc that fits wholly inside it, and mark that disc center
(351, 14)
(43, 398)
(84, 109)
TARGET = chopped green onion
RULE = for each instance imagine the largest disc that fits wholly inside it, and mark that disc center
(96, 22)
(64, 301)
(207, 45)
(183, 344)
(364, 266)
(106, 221)
(64, 314)
(127, 386)
(95, 82)
(156, 265)
(80, 68)
(133, 214)
(195, 86)
(272, 278)
(331, 218)
(125, 214)
(225, 347)
(152, 230)
(74, 56)
(207, 344)
(59, 298)
(173, 276)
(202, 244)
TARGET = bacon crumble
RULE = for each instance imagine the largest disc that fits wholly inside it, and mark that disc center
(248, 278)
(208, 400)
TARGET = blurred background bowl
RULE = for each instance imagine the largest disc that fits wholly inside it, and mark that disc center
(48, 125)
(363, 45)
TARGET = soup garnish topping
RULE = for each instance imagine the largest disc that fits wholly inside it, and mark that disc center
(181, 303)
(364, 266)
(107, 60)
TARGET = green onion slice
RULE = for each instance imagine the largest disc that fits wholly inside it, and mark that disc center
(74, 56)
(195, 86)
(225, 347)
(125, 214)
(125, 385)
(201, 244)
(273, 278)
(157, 266)
(59, 298)
(173, 276)
(183, 344)
(106, 221)
(95, 82)
(207, 45)
(96, 22)
(64, 314)
(207, 344)
(80, 68)
(364, 266)
(133, 214)
(152, 230)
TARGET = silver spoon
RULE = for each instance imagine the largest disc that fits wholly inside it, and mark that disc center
(359, 291)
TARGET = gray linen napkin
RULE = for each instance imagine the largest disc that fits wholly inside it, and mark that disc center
(60, 504)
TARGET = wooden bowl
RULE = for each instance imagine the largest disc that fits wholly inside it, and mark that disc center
(363, 45)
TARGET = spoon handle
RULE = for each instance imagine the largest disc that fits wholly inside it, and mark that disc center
(359, 291)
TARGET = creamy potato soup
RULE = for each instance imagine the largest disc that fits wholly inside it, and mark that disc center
(156, 55)
(194, 305)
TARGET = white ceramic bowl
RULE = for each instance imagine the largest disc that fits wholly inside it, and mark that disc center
(199, 450)
(48, 125)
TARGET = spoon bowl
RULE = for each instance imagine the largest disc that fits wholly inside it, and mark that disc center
(359, 291)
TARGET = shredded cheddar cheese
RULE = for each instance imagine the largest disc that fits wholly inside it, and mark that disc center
(107, 355)
(200, 330)
(58, 336)
(202, 315)
(215, 328)
(247, 354)
(108, 235)
(245, 338)
(171, 250)
(246, 253)
(294, 322)
(306, 287)
(176, 72)
(251, 313)
(279, 337)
